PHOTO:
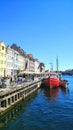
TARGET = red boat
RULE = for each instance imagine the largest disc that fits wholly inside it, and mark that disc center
(52, 81)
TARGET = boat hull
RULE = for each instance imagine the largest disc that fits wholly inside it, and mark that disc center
(63, 83)
(51, 82)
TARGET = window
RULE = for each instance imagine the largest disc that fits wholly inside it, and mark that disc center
(1, 54)
(2, 47)
(1, 69)
(1, 61)
(4, 62)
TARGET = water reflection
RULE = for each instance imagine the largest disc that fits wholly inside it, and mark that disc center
(64, 89)
(18, 109)
(11, 115)
(52, 93)
(15, 111)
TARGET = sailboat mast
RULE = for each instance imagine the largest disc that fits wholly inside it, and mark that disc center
(57, 64)
(51, 68)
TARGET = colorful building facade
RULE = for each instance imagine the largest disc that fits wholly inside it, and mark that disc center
(2, 59)
(13, 60)
(9, 61)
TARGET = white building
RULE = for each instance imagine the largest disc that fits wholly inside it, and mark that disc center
(21, 62)
(16, 61)
(9, 61)
(37, 63)
(31, 62)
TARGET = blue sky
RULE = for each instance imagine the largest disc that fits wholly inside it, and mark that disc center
(41, 27)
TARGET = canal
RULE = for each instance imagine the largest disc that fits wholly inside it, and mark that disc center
(43, 110)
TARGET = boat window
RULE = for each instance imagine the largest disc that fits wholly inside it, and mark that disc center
(53, 75)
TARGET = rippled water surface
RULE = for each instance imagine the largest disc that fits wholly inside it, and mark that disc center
(45, 110)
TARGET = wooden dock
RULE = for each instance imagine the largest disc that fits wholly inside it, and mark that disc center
(11, 95)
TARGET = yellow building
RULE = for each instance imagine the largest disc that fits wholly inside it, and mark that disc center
(2, 59)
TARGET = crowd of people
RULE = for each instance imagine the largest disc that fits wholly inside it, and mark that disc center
(11, 80)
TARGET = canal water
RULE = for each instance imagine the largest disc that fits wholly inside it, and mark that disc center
(44, 110)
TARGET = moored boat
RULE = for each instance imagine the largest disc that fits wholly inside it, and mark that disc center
(52, 81)
(64, 84)
(54, 78)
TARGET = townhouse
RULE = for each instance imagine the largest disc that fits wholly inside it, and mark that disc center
(9, 61)
(37, 64)
(31, 63)
(13, 60)
(2, 59)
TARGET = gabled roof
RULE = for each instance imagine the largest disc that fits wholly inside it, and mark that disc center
(18, 49)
